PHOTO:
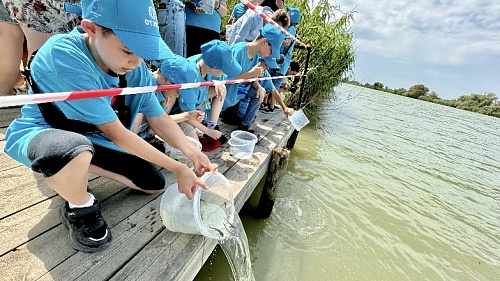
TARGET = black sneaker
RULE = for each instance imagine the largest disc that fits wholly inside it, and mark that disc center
(158, 144)
(88, 232)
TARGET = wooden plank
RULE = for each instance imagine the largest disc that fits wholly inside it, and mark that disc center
(29, 223)
(169, 264)
(136, 227)
(43, 253)
(8, 114)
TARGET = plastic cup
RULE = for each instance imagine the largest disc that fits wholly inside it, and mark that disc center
(298, 119)
(242, 144)
(177, 154)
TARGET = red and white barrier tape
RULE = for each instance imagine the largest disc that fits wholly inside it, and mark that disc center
(271, 21)
(7, 101)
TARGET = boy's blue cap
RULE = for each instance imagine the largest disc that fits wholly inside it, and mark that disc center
(294, 15)
(133, 21)
(275, 37)
(217, 54)
(179, 70)
(271, 63)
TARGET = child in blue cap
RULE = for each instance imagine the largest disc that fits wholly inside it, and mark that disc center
(114, 38)
(215, 60)
(249, 105)
(266, 44)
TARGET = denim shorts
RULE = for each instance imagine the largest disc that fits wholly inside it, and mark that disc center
(45, 16)
(5, 15)
(172, 24)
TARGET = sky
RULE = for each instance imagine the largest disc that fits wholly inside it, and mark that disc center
(450, 46)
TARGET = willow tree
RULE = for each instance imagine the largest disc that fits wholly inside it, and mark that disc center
(328, 31)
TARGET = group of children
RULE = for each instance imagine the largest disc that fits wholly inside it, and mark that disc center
(108, 136)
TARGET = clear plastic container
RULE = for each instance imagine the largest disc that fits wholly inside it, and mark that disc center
(208, 6)
(177, 154)
(207, 214)
(242, 144)
(298, 119)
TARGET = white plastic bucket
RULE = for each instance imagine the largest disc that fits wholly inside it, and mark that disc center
(298, 119)
(205, 214)
(242, 144)
(177, 154)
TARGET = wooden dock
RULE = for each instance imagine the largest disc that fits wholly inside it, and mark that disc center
(34, 244)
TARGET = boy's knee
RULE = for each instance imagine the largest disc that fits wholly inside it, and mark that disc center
(52, 150)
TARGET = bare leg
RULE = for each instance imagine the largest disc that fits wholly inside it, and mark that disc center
(11, 51)
(217, 104)
(71, 181)
(34, 38)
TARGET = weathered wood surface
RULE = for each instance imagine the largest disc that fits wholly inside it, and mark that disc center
(34, 244)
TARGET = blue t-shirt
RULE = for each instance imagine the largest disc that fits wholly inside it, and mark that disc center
(288, 57)
(65, 64)
(211, 22)
(240, 54)
(243, 88)
(238, 10)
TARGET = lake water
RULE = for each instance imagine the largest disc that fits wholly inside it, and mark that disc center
(382, 187)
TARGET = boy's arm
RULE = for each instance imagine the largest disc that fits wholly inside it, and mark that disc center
(277, 96)
(245, 28)
(134, 144)
(165, 127)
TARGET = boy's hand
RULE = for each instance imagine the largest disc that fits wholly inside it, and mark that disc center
(201, 163)
(257, 71)
(261, 94)
(196, 115)
(287, 111)
(220, 91)
(187, 182)
(213, 133)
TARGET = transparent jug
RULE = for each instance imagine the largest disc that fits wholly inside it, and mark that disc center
(208, 214)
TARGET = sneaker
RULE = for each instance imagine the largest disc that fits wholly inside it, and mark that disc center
(158, 144)
(88, 232)
(269, 109)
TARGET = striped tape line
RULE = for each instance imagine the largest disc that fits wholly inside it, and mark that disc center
(6, 101)
(271, 21)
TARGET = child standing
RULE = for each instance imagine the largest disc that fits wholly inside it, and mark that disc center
(113, 39)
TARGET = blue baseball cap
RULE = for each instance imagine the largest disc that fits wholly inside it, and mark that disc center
(275, 38)
(134, 23)
(271, 62)
(179, 70)
(217, 54)
(294, 15)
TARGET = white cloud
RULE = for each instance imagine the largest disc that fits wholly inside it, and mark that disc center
(429, 34)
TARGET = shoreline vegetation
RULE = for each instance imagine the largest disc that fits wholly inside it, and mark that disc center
(487, 103)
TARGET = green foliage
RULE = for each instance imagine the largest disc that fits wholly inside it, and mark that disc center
(481, 103)
(417, 91)
(328, 31)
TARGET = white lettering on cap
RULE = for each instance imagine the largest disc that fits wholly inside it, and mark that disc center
(151, 22)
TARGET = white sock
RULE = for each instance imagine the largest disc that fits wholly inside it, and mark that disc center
(211, 124)
(88, 204)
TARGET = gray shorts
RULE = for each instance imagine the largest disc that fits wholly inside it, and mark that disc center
(52, 150)
(5, 15)
(45, 16)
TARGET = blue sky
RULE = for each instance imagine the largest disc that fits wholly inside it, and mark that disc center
(450, 46)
